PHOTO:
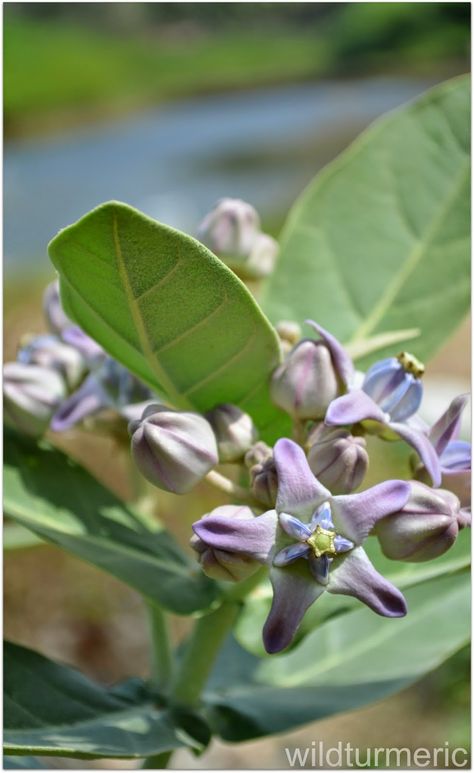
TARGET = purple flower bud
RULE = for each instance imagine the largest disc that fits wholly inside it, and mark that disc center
(425, 528)
(259, 453)
(338, 459)
(264, 482)
(173, 450)
(31, 394)
(394, 384)
(222, 564)
(261, 260)
(53, 310)
(49, 352)
(307, 382)
(232, 542)
(234, 430)
(230, 229)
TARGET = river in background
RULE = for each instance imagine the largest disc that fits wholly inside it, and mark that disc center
(173, 162)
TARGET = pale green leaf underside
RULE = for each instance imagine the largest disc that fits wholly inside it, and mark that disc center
(379, 241)
(57, 499)
(51, 709)
(163, 305)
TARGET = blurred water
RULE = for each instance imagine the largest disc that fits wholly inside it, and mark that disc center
(175, 161)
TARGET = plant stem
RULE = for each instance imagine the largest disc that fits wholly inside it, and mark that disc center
(206, 640)
(161, 652)
(229, 487)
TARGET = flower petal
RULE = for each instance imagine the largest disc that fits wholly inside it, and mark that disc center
(356, 576)
(423, 448)
(447, 427)
(456, 456)
(299, 492)
(356, 514)
(352, 408)
(322, 517)
(341, 359)
(293, 527)
(406, 400)
(342, 544)
(88, 400)
(294, 590)
(253, 535)
(319, 568)
(290, 553)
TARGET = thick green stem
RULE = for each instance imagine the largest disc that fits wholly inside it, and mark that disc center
(161, 652)
(206, 641)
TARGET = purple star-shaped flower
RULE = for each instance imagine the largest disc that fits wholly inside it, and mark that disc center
(325, 550)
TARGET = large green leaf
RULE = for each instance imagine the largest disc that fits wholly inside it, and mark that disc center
(51, 709)
(348, 662)
(168, 309)
(379, 241)
(54, 497)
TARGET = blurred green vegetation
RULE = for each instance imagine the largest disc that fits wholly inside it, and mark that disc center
(71, 62)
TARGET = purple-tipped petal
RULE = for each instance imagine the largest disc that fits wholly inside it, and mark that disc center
(356, 514)
(456, 456)
(290, 553)
(342, 544)
(294, 590)
(382, 379)
(423, 447)
(406, 400)
(299, 492)
(319, 568)
(356, 576)
(293, 527)
(88, 400)
(253, 535)
(322, 517)
(341, 359)
(352, 408)
(448, 425)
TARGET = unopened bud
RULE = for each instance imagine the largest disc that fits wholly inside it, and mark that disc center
(307, 382)
(31, 395)
(230, 229)
(264, 482)
(222, 564)
(289, 333)
(234, 430)
(173, 450)
(257, 454)
(425, 528)
(338, 459)
(49, 352)
(261, 260)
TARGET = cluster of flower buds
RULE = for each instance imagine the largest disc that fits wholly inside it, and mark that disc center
(232, 231)
(63, 377)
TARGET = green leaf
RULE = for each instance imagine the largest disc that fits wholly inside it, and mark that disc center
(53, 496)
(25, 763)
(166, 308)
(51, 709)
(379, 241)
(348, 662)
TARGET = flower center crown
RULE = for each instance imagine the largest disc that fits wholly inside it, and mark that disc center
(321, 542)
(411, 364)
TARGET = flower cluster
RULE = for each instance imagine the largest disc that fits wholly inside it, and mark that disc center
(299, 510)
(312, 536)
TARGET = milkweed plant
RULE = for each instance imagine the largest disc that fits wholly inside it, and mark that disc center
(290, 376)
